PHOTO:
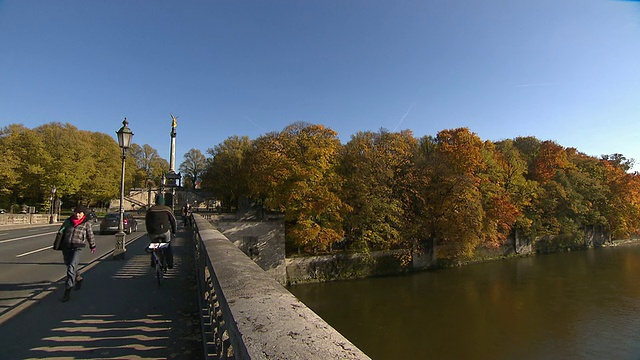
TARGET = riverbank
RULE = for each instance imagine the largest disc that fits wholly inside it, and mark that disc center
(324, 268)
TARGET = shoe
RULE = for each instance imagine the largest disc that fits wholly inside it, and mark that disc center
(67, 295)
(79, 283)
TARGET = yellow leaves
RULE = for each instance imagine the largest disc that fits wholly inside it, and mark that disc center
(461, 150)
(295, 171)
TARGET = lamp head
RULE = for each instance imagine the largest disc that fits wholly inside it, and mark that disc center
(124, 135)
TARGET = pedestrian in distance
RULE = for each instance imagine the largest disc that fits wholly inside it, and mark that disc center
(161, 224)
(186, 215)
(76, 233)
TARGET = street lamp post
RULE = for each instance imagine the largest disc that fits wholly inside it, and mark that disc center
(52, 201)
(163, 183)
(124, 141)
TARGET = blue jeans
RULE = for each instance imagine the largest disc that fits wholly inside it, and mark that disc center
(71, 259)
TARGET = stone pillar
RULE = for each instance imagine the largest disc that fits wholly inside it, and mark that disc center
(172, 162)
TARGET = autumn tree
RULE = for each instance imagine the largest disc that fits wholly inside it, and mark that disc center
(619, 161)
(270, 168)
(453, 213)
(513, 173)
(622, 209)
(375, 167)
(298, 177)
(502, 174)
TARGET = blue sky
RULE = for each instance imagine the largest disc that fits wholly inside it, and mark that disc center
(562, 70)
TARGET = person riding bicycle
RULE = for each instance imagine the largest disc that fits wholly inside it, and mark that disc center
(161, 223)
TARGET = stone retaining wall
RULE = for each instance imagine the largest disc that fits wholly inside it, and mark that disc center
(310, 269)
(262, 241)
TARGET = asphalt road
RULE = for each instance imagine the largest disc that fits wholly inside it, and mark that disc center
(28, 265)
(120, 312)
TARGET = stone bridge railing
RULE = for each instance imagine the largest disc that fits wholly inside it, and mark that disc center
(24, 219)
(246, 314)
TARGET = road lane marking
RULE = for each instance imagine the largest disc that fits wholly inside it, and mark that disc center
(49, 247)
(26, 237)
(33, 252)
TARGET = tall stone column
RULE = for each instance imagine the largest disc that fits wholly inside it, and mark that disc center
(173, 178)
(172, 158)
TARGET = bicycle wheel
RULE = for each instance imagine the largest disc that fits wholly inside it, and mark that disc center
(158, 267)
(164, 263)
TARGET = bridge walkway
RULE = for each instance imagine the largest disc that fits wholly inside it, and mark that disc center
(120, 312)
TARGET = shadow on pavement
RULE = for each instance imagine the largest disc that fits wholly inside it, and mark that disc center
(120, 312)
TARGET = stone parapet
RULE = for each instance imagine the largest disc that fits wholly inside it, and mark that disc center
(248, 315)
(26, 219)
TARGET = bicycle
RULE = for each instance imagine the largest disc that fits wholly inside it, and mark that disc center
(159, 259)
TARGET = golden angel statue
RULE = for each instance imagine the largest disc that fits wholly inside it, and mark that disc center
(174, 121)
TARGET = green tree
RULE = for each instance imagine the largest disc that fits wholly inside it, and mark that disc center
(9, 174)
(103, 183)
(529, 147)
(72, 165)
(33, 156)
(149, 165)
(226, 175)
(193, 167)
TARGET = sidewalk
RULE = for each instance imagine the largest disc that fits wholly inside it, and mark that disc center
(120, 313)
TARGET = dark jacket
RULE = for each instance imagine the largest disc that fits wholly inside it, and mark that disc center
(160, 219)
(77, 236)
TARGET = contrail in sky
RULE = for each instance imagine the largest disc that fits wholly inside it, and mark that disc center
(403, 117)
(254, 124)
(535, 85)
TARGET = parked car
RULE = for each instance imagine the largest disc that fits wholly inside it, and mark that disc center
(110, 223)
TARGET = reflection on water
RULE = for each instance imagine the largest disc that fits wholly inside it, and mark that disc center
(577, 305)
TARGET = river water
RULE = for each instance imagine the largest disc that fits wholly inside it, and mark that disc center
(575, 305)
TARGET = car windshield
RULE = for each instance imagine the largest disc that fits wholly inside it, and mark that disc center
(112, 216)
